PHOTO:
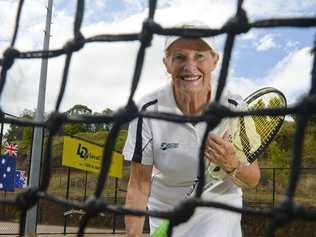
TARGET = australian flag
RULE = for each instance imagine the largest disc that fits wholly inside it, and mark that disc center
(7, 173)
(20, 179)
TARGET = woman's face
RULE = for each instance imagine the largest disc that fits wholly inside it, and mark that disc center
(190, 63)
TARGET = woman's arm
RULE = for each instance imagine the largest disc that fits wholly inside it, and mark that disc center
(247, 176)
(221, 152)
(137, 196)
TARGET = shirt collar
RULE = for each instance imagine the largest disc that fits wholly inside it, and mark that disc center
(168, 103)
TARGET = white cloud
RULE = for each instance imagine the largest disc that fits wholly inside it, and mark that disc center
(101, 73)
(291, 75)
(214, 13)
(266, 42)
(279, 8)
(291, 45)
(5, 16)
(250, 35)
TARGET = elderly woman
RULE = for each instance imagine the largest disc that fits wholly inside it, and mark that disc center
(164, 173)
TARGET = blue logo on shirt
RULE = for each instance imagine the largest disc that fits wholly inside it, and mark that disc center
(164, 146)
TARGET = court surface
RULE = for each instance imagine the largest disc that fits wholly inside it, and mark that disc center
(10, 229)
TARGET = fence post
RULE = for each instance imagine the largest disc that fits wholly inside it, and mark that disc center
(1, 134)
(67, 197)
(115, 202)
(273, 187)
(85, 186)
(4, 206)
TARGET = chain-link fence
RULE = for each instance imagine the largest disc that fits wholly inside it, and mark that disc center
(78, 185)
(287, 210)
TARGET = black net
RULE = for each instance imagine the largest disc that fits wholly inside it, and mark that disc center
(285, 211)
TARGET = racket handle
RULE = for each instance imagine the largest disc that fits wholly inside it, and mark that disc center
(216, 172)
(162, 229)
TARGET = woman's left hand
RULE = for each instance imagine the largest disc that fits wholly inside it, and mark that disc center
(221, 152)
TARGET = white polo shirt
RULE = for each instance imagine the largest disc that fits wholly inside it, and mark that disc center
(172, 149)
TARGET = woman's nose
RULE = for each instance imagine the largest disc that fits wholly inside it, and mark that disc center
(189, 65)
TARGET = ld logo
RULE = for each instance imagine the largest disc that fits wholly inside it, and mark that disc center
(82, 151)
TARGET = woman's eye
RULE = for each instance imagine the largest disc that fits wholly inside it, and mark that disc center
(200, 56)
(178, 57)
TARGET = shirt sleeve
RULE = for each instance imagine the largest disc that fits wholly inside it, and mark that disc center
(143, 153)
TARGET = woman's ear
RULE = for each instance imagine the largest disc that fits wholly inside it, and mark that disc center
(164, 60)
(215, 60)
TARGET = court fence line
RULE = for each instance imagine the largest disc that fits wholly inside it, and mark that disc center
(287, 211)
(64, 222)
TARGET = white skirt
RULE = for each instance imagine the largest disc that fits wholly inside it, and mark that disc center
(205, 222)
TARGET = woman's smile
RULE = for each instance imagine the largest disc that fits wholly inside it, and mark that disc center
(190, 78)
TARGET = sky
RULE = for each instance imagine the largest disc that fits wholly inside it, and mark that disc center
(101, 73)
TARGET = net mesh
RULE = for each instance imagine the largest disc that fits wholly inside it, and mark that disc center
(285, 212)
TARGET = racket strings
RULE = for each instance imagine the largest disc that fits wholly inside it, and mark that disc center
(265, 126)
(244, 138)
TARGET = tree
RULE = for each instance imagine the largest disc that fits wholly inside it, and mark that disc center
(277, 156)
(285, 136)
(74, 128)
(312, 117)
(16, 132)
(103, 126)
(79, 110)
(13, 133)
(21, 135)
(107, 111)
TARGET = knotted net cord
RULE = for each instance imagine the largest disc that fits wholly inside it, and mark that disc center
(286, 211)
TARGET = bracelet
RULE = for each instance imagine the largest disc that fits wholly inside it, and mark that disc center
(235, 170)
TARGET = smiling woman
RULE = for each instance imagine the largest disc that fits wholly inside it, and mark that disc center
(190, 63)
(164, 167)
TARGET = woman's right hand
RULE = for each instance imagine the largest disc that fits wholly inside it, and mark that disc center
(137, 196)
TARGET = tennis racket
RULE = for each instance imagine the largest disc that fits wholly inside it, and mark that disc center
(250, 136)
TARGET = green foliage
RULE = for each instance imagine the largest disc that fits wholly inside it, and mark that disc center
(277, 156)
(120, 141)
(312, 117)
(76, 128)
(285, 136)
(97, 137)
(102, 126)
(309, 144)
(15, 133)
(27, 138)
(101, 136)
(22, 136)
(79, 110)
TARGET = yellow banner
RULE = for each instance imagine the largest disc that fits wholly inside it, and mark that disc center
(86, 156)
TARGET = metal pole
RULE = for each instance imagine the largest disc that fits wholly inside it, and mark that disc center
(31, 215)
(115, 202)
(4, 206)
(85, 186)
(1, 135)
(273, 187)
(67, 197)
